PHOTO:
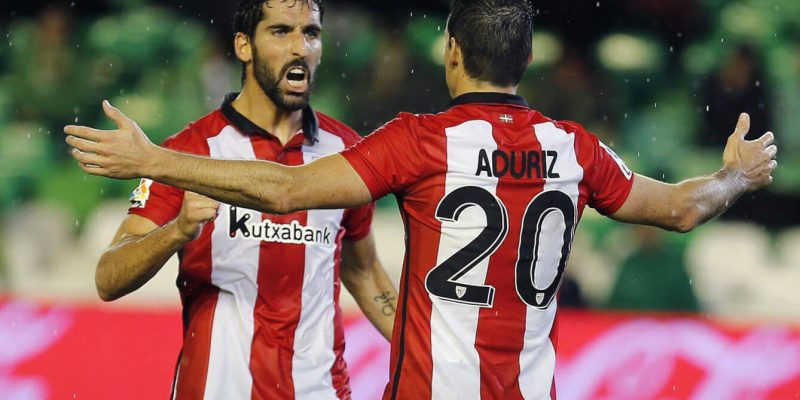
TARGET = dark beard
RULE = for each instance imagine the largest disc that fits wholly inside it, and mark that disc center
(270, 84)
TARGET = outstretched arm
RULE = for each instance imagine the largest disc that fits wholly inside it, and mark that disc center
(126, 152)
(747, 166)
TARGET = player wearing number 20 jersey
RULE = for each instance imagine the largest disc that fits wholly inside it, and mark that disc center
(490, 193)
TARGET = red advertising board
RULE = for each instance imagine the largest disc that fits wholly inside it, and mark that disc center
(99, 352)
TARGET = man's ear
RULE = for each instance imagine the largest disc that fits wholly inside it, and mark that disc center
(242, 47)
(454, 57)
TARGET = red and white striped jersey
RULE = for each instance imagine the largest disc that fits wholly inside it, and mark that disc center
(260, 292)
(490, 193)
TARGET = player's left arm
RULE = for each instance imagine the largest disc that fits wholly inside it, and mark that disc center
(747, 166)
(126, 152)
(364, 277)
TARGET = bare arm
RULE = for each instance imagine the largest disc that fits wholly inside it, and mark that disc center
(364, 277)
(140, 248)
(329, 182)
(124, 153)
(747, 166)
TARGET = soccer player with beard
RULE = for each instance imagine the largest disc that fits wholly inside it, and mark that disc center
(260, 292)
(491, 192)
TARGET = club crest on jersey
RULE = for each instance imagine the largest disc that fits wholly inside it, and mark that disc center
(140, 195)
(268, 231)
(460, 290)
(622, 166)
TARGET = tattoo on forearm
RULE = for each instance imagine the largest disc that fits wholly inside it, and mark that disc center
(384, 298)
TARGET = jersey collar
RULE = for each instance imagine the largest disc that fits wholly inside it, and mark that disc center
(244, 125)
(489, 98)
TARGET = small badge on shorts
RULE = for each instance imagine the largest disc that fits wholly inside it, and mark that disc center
(140, 195)
(460, 290)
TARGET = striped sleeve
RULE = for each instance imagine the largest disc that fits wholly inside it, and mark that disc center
(607, 176)
(388, 160)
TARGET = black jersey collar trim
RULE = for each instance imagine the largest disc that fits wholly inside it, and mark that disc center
(244, 125)
(488, 98)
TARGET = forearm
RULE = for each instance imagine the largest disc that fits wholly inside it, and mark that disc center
(259, 185)
(377, 298)
(701, 199)
(134, 260)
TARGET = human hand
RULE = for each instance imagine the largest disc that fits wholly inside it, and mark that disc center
(195, 212)
(752, 160)
(123, 153)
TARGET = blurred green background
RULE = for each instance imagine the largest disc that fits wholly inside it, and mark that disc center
(660, 82)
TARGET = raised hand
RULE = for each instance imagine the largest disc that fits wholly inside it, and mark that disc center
(122, 153)
(195, 212)
(753, 160)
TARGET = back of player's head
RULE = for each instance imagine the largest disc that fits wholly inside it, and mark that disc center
(495, 38)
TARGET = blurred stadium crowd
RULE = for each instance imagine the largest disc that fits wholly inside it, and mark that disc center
(660, 81)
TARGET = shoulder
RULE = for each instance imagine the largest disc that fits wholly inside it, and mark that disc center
(409, 122)
(338, 128)
(194, 137)
(581, 134)
(574, 128)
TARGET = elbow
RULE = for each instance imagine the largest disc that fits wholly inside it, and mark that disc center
(348, 280)
(688, 219)
(105, 294)
(105, 290)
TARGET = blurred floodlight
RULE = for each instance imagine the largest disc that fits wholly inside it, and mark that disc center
(625, 52)
(547, 49)
(437, 49)
(699, 59)
(744, 20)
(147, 111)
(104, 33)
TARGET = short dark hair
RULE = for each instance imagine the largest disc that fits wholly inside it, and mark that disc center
(495, 38)
(250, 12)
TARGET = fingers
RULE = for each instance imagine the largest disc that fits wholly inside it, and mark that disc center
(199, 208)
(198, 200)
(766, 139)
(742, 126)
(89, 163)
(84, 132)
(204, 205)
(93, 169)
(86, 146)
(199, 214)
(207, 214)
(771, 166)
(771, 151)
(88, 158)
(116, 115)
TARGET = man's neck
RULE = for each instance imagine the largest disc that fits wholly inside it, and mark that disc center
(254, 105)
(471, 86)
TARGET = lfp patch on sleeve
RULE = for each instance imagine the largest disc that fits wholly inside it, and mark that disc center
(622, 166)
(140, 195)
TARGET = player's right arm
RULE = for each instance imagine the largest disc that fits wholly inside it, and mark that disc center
(747, 166)
(125, 153)
(140, 247)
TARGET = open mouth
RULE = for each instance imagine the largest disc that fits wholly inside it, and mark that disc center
(297, 78)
